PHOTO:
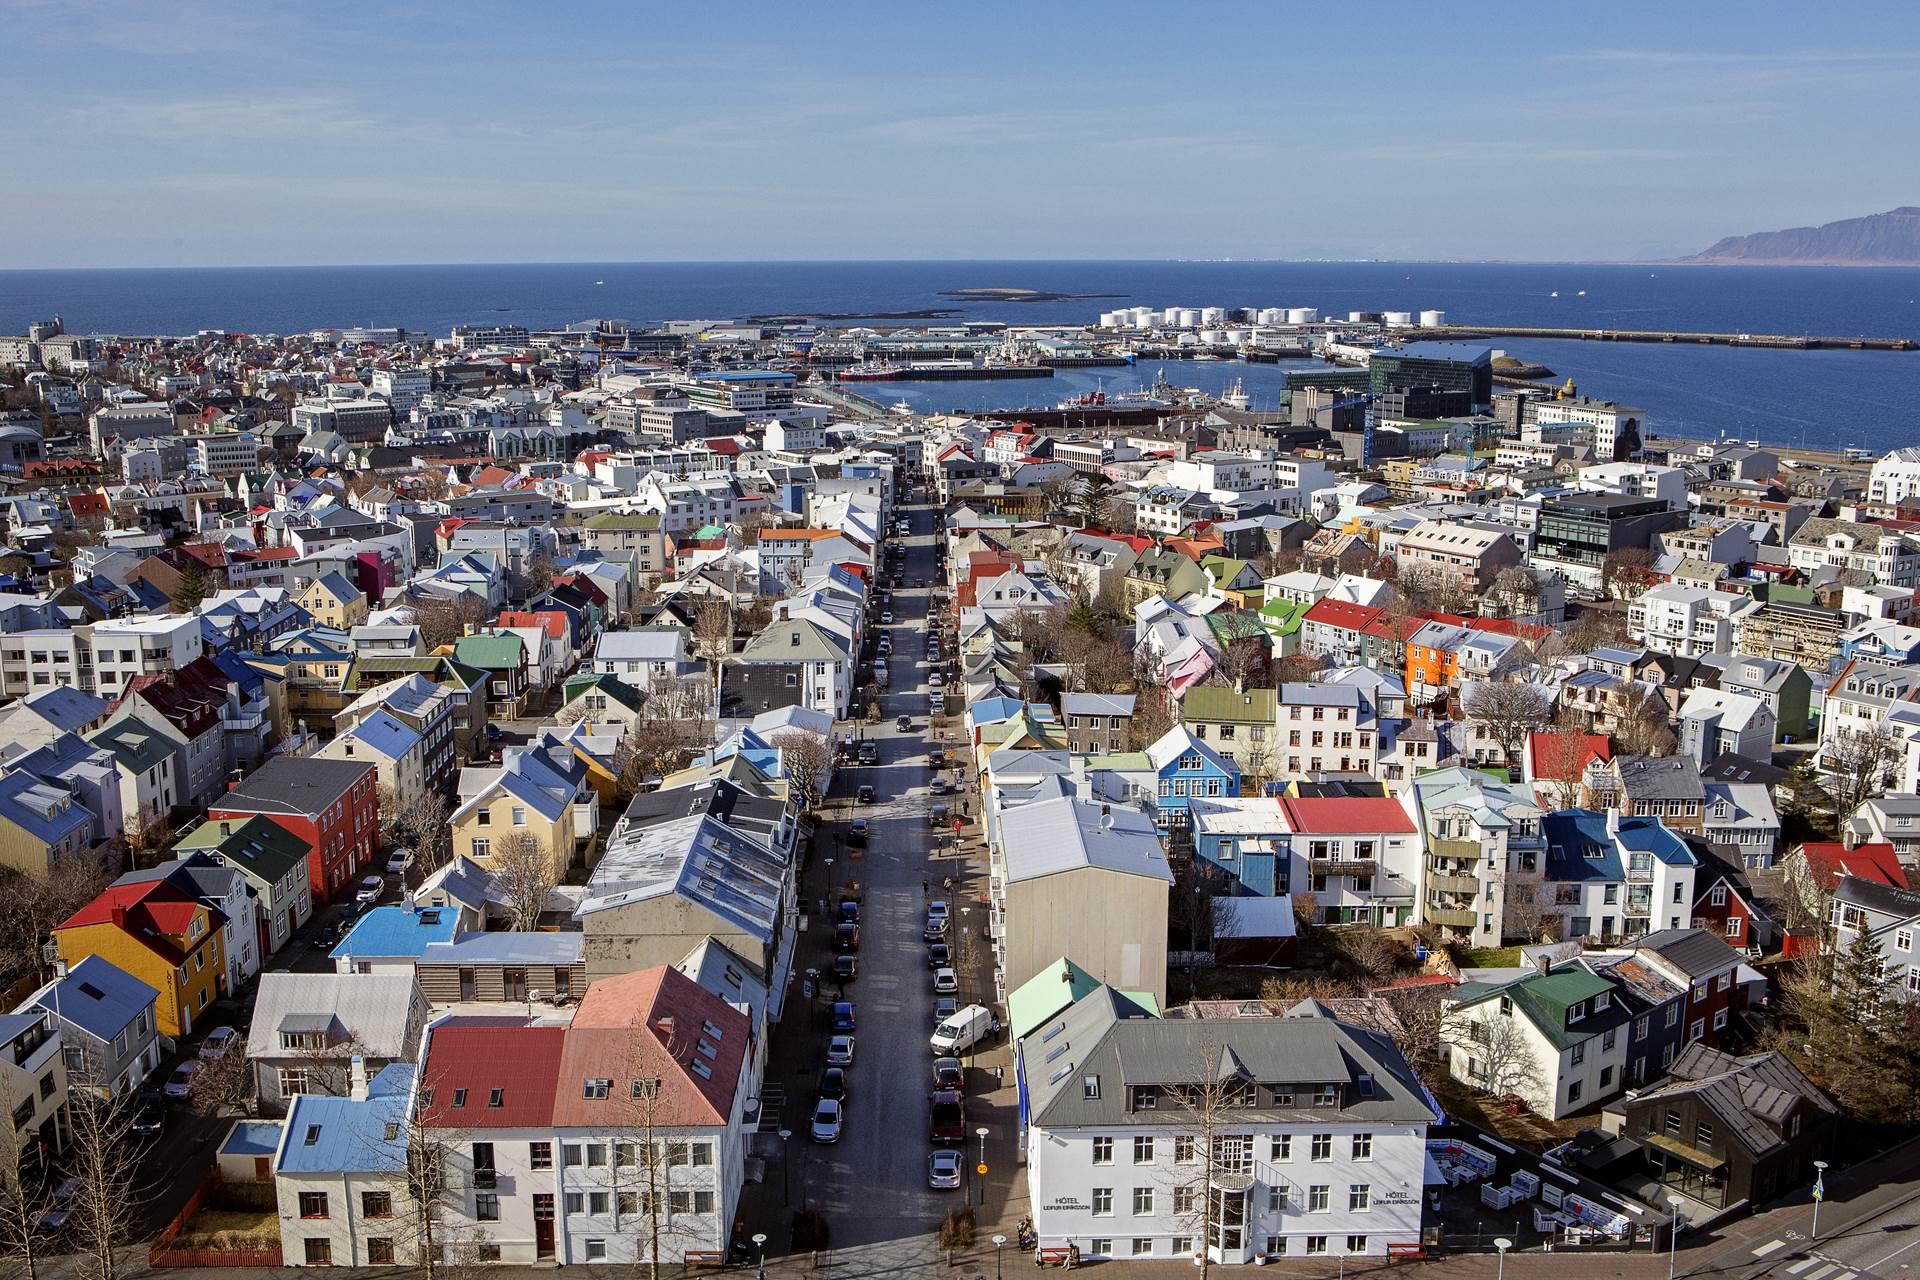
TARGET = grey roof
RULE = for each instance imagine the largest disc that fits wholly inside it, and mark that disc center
(294, 785)
(377, 1010)
(1659, 777)
(98, 997)
(1102, 1038)
(698, 858)
(1067, 834)
(1751, 1097)
(1097, 704)
(1698, 953)
(1885, 899)
(506, 948)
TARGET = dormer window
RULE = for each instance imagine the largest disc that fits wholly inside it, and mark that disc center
(1328, 1095)
(1090, 1086)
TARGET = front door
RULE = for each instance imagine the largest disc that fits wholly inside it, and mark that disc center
(543, 1226)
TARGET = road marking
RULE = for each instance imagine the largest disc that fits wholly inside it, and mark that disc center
(1771, 1246)
(1826, 1269)
(1801, 1265)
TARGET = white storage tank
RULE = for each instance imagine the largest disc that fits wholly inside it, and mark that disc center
(1213, 315)
(1273, 315)
(1432, 319)
(1302, 315)
(1188, 318)
(1360, 317)
(1214, 337)
(1397, 319)
(1143, 317)
(1239, 337)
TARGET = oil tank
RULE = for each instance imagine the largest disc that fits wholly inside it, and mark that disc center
(1302, 315)
(1213, 315)
(1397, 319)
(1432, 319)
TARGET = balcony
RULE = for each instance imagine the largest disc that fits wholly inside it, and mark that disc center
(242, 721)
(1343, 866)
(1448, 882)
(1639, 875)
(1451, 917)
(1458, 850)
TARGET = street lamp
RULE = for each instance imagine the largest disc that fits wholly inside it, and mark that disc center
(1502, 1244)
(980, 1177)
(760, 1243)
(999, 1243)
(786, 1168)
(1819, 1193)
(1673, 1234)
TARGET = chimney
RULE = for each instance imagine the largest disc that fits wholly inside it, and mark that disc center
(1542, 961)
(1613, 819)
(357, 1070)
(119, 916)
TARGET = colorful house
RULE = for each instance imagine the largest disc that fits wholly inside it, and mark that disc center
(154, 931)
(1186, 767)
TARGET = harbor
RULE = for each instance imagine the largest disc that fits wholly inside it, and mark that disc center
(1779, 341)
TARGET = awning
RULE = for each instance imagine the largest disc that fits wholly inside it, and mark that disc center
(1434, 1178)
(1674, 1147)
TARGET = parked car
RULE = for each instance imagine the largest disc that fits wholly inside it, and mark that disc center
(938, 815)
(865, 794)
(371, 888)
(60, 1205)
(903, 723)
(945, 981)
(149, 1119)
(938, 910)
(943, 1008)
(846, 937)
(218, 1041)
(869, 752)
(936, 758)
(840, 1049)
(949, 1074)
(857, 831)
(938, 955)
(963, 1030)
(938, 786)
(398, 861)
(843, 1018)
(179, 1085)
(943, 1170)
(826, 1120)
(946, 1118)
(846, 967)
(833, 1083)
(849, 911)
(886, 618)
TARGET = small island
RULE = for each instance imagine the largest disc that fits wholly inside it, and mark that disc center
(1022, 295)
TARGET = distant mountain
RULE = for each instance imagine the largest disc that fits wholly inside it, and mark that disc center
(1881, 239)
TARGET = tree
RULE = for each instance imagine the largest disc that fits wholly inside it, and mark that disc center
(1626, 573)
(30, 906)
(431, 1198)
(103, 1207)
(23, 1194)
(191, 589)
(222, 1084)
(444, 619)
(1861, 764)
(1596, 627)
(1371, 955)
(540, 571)
(1210, 1103)
(1297, 668)
(421, 819)
(1559, 763)
(1523, 913)
(524, 874)
(1514, 592)
(713, 633)
(1153, 715)
(1419, 1013)
(1511, 709)
(1645, 734)
(1859, 1038)
(808, 759)
(1092, 500)
(1499, 1056)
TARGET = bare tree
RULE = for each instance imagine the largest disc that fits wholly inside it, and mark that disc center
(713, 633)
(421, 818)
(427, 1211)
(1281, 991)
(1645, 734)
(808, 758)
(1500, 1059)
(1371, 954)
(1152, 715)
(23, 1194)
(1860, 765)
(1595, 628)
(30, 907)
(1207, 1153)
(223, 1084)
(1419, 1013)
(523, 871)
(1626, 573)
(1559, 761)
(1511, 709)
(444, 619)
(1523, 913)
(103, 1207)
(1514, 592)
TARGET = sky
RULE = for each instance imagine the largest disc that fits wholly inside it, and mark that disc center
(206, 133)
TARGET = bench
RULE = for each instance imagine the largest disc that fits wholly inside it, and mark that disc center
(705, 1258)
(1408, 1251)
(1065, 1256)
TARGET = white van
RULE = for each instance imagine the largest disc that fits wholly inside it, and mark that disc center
(962, 1031)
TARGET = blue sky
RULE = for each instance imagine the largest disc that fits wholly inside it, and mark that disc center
(192, 133)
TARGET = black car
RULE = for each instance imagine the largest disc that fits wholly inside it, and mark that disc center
(937, 956)
(869, 752)
(904, 723)
(857, 831)
(846, 968)
(865, 794)
(149, 1120)
(833, 1083)
(846, 937)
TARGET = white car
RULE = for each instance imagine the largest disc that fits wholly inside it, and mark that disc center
(398, 861)
(886, 619)
(945, 981)
(826, 1120)
(943, 1170)
(840, 1051)
(218, 1041)
(370, 889)
(179, 1085)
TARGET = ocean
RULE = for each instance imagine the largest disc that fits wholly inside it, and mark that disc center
(1823, 399)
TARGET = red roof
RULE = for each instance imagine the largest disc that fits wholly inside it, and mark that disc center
(652, 1024)
(1876, 862)
(467, 1061)
(152, 912)
(722, 444)
(87, 504)
(1341, 613)
(1560, 758)
(1346, 815)
(554, 620)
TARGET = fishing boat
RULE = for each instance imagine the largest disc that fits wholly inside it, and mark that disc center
(1554, 294)
(901, 406)
(1236, 397)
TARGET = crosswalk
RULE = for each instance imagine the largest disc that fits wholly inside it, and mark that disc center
(1817, 1269)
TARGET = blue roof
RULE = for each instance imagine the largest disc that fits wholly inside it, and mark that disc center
(347, 1135)
(397, 931)
(26, 801)
(1579, 847)
(252, 1138)
(383, 733)
(97, 996)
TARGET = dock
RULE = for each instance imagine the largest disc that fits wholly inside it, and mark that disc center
(1779, 341)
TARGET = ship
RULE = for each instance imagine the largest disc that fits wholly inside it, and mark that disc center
(1236, 397)
(1091, 399)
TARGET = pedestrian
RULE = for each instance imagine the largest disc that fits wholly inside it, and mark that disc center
(925, 891)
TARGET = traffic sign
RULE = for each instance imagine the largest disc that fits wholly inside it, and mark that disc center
(981, 1168)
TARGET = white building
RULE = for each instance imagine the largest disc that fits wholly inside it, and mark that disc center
(1320, 1150)
(1687, 621)
(1895, 478)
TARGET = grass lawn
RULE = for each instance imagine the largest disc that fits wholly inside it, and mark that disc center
(1489, 957)
(230, 1229)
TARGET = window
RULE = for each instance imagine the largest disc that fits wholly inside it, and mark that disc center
(519, 816)
(1328, 1096)
(598, 1202)
(1280, 1147)
(1090, 1086)
(1103, 1150)
(1703, 1135)
(1316, 1244)
(1673, 1014)
(1100, 1247)
(1142, 1246)
(1902, 938)
(313, 1204)
(1276, 1246)
(1277, 1198)
(376, 1204)
(380, 1249)
(1356, 1244)
(596, 1251)
(1185, 1199)
(1142, 1202)
(571, 1154)
(1697, 1029)
(292, 1080)
(1579, 1053)
(1322, 1146)
(1640, 1027)
(596, 1087)
(482, 847)
(319, 1251)
(1185, 1151)
(1718, 897)
(1726, 981)
(1103, 1202)
(1574, 1090)
(1143, 1150)
(1318, 1198)
(1719, 1019)
(1362, 1146)
(486, 1207)
(540, 1155)
(596, 1155)
(1359, 1197)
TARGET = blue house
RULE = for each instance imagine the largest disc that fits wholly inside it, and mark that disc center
(1246, 840)
(393, 937)
(108, 1024)
(1186, 767)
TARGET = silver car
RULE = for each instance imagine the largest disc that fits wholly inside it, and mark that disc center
(826, 1120)
(943, 1170)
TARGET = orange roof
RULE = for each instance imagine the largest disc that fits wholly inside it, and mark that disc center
(554, 620)
(655, 1024)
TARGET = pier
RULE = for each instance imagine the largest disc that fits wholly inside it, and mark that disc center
(1782, 341)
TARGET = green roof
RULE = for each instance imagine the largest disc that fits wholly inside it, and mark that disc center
(259, 846)
(1282, 616)
(490, 651)
(135, 745)
(1545, 999)
(623, 521)
(1214, 702)
(1122, 761)
(611, 685)
(1050, 991)
(1236, 624)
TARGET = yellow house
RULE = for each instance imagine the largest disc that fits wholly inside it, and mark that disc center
(525, 798)
(334, 602)
(158, 934)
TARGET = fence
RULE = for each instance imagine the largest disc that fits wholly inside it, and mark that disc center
(161, 1252)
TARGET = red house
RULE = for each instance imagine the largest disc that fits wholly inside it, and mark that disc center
(334, 805)
(1710, 971)
(1723, 907)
